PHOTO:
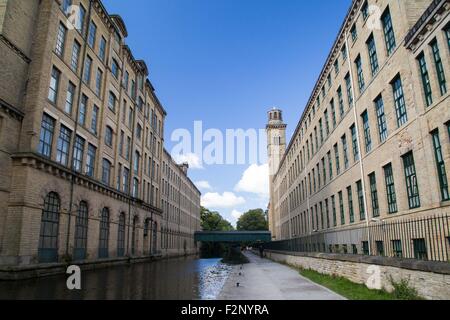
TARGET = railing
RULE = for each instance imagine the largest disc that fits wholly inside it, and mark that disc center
(425, 238)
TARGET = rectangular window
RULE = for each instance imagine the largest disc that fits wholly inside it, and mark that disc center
(80, 21)
(447, 34)
(362, 211)
(344, 53)
(365, 248)
(126, 78)
(46, 136)
(440, 165)
(122, 137)
(397, 248)
(327, 213)
(420, 249)
(381, 119)
(324, 172)
(341, 102)
(336, 156)
(359, 70)
(366, 128)
(400, 105)
(439, 67)
(83, 110)
(341, 207)
(350, 205)
(115, 69)
(380, 248)
(94, 119)
(321, 131)
(98, 82)
(87, 70)
(371, 47)
(66, 5)
(106, 172)
(330, 165)
(90, 160)
(349, 90)
(126, 174)
(75, 56)
(102, 49)
(345, 150)
(390, 189)
(354, 143)
(78, 151)
(374, 195)
(354, 33)
(92, 34)
(112, 102)
(365, 11)
(333, 208)
(69, 98)
(388, 29)
(60, 40)
(63, 146)
(54, 85)
(327, 125)
(333, 113)
(336, 66)
(425, 79)
(412, 185)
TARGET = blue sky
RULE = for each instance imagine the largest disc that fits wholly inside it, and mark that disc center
(226, 63)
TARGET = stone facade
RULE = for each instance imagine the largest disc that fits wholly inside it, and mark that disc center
(369, 116)
(431, 284)
(81, 139)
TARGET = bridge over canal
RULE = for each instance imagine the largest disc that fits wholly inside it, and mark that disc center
(233, 236)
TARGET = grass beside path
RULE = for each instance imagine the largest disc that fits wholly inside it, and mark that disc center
(354, 291)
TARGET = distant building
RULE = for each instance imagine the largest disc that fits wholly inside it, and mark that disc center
(373, 142)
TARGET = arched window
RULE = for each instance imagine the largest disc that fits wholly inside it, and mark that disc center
(48, 238)
(81, 229)
(133, 236)
(104, 234)
(121, 236)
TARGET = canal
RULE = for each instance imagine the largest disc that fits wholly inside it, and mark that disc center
(174, 279)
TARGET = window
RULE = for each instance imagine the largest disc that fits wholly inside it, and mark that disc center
(75, 56)
(333, 113)
(106, 171)
(46, 136)
(109, 136)
(439, 67)
(321, 132)
(380, 248)
(411, 181)
(366, 127)
(63, 146)
(139, 132)
(102, 50)
(87, 70)
(354, 33)
(137, 159)
(447, 34)
(135, 188)
(425, 79)
(349, 90)
(115, 69)
(83, 110)
(104, 234)
(48, 236)
(66, 5)
(400, 105)
(390, 189)
(330, 165)
(121, 236)
(440, 165)
(374, 195)
(341, 102)
(60, 40)
(350, 204)
(127, 149)
(359, 70)
(371, 47)
(130, 117)
(92, 34)
(344, 53)
(98, 82)
(54, 85)
(94, 120)
(365, 248)
(388, 29)
(336, 155)
(362, 211)
(78, 151)
(81, 230)
(344, 148)
(81, 16)
(69, 98)
(336, 66)
(354, 143)
(397, 248)
(381, 119)
(327, 125)
(126, 78)
(420, 249)
(365, 10)
(112, 102)
(333, 206)
(126, 183)
(90, 160)
(121, 142)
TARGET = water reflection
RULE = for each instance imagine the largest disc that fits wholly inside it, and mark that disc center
(175, 279)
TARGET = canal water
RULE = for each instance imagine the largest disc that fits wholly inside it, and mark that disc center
(173, 279)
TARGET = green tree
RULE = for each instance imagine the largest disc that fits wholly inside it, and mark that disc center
(213, 221)
(253, 220)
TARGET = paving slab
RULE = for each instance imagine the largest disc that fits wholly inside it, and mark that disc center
(263, 279)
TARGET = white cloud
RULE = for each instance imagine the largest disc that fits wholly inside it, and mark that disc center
(236, 214)
(225, 200)
(204, 185)
(191, 158)
(255, 180)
